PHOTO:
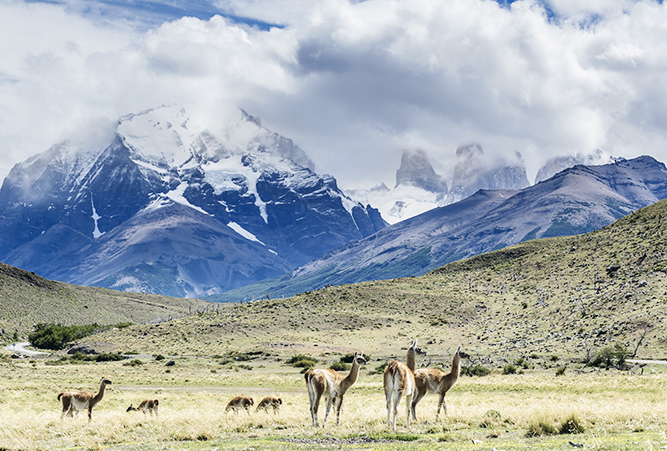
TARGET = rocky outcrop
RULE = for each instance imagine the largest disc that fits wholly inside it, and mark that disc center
(416, 170)
(473, 171)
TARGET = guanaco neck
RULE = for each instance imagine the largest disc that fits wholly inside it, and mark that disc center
(98, 397)
(456, 365)
(411, 358)
(351, 378)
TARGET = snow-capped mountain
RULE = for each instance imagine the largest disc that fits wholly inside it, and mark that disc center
(419, 188)
(577, 200)
(180, 202)
(557, 164)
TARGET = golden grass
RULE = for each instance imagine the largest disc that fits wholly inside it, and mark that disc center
(498, 410)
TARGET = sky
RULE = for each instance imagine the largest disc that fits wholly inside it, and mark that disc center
(353, 83)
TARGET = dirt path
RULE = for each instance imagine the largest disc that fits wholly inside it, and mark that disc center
(21, 349)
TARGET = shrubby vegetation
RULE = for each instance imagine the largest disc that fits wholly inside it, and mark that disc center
(339, 366)
(56, 336)
(610, 356)
(302, 361)
(476, 370)
(105, 357)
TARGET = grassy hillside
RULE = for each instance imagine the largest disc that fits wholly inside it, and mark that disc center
(544, 300)
(27, 299)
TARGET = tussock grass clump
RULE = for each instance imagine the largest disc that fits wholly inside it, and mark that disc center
(539, 427)
(133, 362)
(571, 425)
(492, 419)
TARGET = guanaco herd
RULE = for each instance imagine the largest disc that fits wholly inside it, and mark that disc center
(400, 379)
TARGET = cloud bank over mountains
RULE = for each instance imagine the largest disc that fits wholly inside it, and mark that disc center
(352, 83)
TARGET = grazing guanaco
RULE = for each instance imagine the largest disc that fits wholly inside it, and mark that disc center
(399, 380)
(147, 405)
(331, 385)
(240, 402)
(75, 401)
(432, 380)
(269, 401)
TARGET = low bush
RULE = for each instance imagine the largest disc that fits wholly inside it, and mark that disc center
(56, 336)
(105, 357)
(339, 366)
(302, 361)
(477, 370)
(509, 369)
(610, 356)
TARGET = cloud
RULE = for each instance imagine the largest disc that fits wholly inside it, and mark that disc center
(351, 83)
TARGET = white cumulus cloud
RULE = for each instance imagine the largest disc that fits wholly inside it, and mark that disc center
(352, 83)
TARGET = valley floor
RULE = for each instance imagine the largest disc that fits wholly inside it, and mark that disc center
(616, 410)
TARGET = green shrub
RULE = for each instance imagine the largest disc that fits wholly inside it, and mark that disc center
(477, 370)
(159, 357)
(302, 361)
(509, 369)
(339, 366)
(56, 336)
(109, 357)
(560, 371)
(610, 356)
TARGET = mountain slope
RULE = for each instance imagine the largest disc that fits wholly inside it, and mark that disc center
(577, 200)
(245, 201)
(546, 301)
(27, 299)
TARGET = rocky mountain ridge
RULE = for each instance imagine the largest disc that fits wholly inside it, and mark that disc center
(419, 188)
(577, 200)
(183, 203)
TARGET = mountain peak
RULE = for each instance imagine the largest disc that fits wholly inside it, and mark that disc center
(474, 171)
(416, 170)
(185, 200)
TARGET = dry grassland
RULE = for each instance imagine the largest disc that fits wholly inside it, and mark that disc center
(617, 411)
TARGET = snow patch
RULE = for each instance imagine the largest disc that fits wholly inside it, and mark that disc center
(96, 217)
(221, 176)
(244, 233)
(177, 196)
